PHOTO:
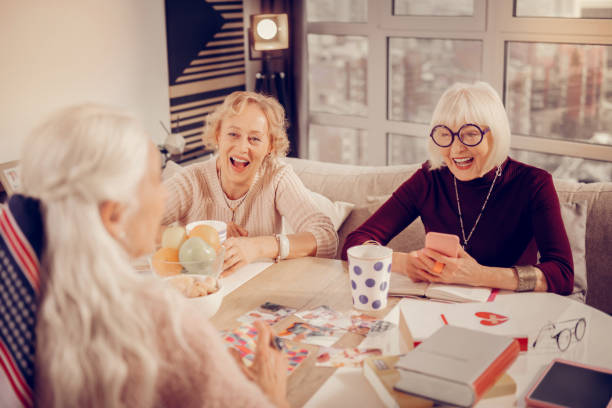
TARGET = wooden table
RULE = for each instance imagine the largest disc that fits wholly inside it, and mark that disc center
(303, 284)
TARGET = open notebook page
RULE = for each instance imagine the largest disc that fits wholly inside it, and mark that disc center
(402, 285)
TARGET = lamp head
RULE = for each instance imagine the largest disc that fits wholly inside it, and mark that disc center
(269, 32)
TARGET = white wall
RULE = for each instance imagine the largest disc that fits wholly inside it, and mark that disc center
(61, 52)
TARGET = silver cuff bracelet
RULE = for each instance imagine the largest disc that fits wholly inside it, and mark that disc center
(527, 278)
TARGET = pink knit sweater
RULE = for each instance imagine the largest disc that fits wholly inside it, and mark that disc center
(213, 380)
(207, 378)
(195, 194)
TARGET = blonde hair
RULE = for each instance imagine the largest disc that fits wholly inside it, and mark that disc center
(95, 329)
(476, 103)
(234, 104)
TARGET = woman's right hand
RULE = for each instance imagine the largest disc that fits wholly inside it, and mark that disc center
(269, 368)
(411, 265)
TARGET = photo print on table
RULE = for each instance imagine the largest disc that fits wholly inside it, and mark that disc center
(311, 334)
(357, 322)
(269, 312)
(325, 316)
(361, 323)
(349, 357)
(295, 354)
(244, 339)
(381, 327)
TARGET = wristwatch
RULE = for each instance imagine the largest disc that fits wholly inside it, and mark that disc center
(283, 247)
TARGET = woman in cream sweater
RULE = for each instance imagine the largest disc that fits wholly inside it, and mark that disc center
(248, 186)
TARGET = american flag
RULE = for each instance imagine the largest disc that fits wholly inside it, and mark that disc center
(21, 242)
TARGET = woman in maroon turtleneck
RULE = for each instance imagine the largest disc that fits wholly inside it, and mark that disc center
(503, 211)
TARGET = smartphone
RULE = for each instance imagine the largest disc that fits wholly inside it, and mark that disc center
(447, 244)
(567, 383)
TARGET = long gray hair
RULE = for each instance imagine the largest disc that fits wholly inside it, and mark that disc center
(94, 327)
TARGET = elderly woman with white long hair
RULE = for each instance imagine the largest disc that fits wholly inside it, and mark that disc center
(505, 212)
(105, 335)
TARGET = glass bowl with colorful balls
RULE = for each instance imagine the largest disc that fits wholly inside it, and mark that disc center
(191, 260)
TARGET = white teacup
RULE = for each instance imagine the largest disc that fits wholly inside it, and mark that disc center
(220, 226)
(369, 275)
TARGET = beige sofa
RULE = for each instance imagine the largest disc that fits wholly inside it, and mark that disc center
(368, 187)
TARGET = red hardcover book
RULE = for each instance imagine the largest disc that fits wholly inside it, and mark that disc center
(456, 365)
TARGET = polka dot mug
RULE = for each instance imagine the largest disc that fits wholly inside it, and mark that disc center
(369, 275)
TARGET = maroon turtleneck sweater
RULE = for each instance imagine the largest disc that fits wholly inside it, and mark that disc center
(521, 218)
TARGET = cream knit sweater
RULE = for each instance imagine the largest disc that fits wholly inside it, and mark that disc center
(195, 193)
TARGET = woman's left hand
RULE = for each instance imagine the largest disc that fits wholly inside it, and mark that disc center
(463, 270)
(238, 252)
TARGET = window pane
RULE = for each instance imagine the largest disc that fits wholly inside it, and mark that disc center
(337, 145)
(422, 69)
(407, 149)
(565, 167)
(337, 74)
(433, 8)
(567, 9)
(560, 91)
(337, 10)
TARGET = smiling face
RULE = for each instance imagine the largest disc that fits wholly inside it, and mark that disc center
(465, 162)
(244, 142)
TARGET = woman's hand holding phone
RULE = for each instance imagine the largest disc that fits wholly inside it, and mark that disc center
(462, 269)
(442, 260)
(420, 267)
(446, 244)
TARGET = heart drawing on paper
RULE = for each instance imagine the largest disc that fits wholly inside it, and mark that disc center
(491, 319)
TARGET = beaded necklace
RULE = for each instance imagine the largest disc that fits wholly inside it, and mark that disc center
(465, 240)
(227, 201)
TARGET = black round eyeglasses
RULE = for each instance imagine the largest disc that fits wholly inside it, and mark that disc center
(469, 134)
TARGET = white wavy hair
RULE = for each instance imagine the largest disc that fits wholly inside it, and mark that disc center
(476, 103)
(95, 314)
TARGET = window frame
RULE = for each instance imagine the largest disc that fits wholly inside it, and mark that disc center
(493, 23)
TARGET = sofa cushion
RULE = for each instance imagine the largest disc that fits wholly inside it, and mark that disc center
(599, 233)
(411, 238)
(575, 218)
(350, 183)
(337, 211)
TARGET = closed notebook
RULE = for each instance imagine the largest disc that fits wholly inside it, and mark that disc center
(382, 375)
(456, 365)
(401, 285)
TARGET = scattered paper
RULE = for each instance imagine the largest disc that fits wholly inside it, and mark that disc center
(311, 334)
(243, 275)
(244, 339)
(268, 312)
(325, 316)
(349, 357)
